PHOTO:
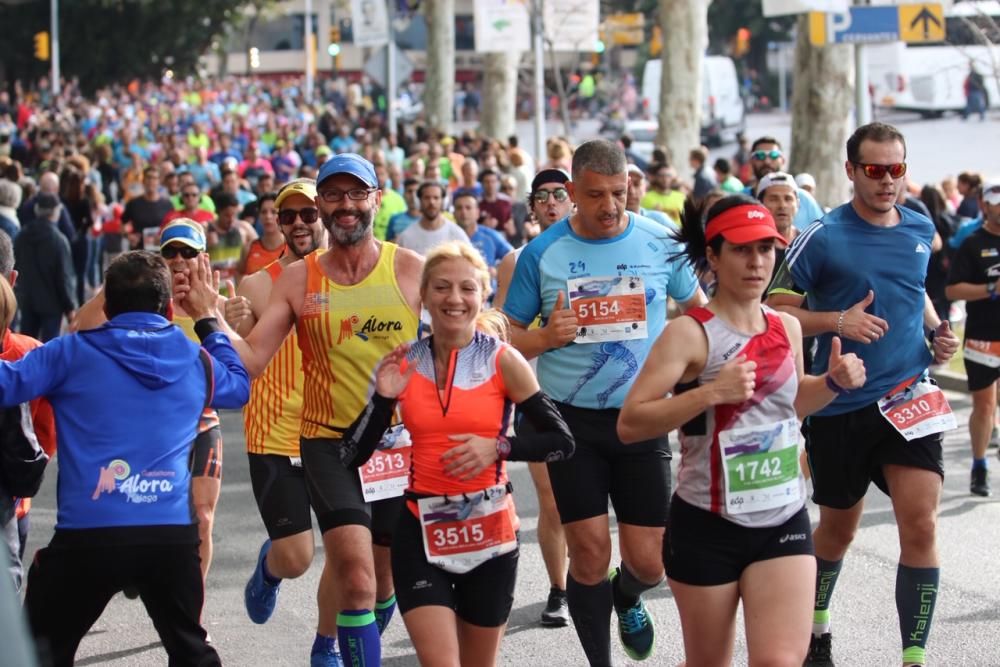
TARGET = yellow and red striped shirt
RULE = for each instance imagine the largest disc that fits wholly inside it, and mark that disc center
(273, 415)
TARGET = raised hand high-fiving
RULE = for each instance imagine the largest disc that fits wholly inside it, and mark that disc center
(390, 378)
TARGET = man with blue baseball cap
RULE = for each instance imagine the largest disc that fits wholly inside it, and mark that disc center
(350, 306)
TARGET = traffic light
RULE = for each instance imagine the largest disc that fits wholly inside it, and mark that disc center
(741, 45)
(42, 45)
(254, 58)
(334, 48)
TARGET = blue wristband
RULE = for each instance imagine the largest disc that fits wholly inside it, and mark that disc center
(834, 387)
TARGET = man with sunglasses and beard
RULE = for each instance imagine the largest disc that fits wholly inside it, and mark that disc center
(862, 269)
(350, 306)
(272, 420)
(767, 157)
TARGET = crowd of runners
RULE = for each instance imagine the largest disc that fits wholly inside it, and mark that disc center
(398, 317)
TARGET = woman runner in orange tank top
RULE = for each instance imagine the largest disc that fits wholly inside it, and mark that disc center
(454, 553)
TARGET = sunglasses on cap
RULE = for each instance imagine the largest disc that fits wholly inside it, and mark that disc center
(286, 216)
(542, 196)
(877, 171)
(773, 154)
(185, 251)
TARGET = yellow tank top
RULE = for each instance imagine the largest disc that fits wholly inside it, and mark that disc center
(344, 331)
(209, 418)
(273, 416)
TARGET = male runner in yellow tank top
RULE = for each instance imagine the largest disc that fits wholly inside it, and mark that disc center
(272, 420)
(350, 306)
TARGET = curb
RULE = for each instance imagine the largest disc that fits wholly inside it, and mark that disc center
(950, 380)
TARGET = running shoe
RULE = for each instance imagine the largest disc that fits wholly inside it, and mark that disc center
(635, 627)
(131, 592)
(324, 659)
(259, 596)
(820, 651)
(980, 484)
(556, 612)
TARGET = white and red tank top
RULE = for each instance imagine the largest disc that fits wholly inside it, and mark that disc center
(732, 464)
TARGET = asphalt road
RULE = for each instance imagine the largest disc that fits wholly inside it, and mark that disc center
(864, 614)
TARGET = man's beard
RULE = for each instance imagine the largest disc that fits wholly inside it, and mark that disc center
(290, 244)
(349, 237)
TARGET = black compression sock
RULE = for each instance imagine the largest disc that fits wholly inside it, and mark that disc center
(626, 589)
(590, 607)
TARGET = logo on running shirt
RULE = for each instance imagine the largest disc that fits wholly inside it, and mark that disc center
(920, 248)
(143, 487)
(315, 303)
(792, 537)
(373, 327)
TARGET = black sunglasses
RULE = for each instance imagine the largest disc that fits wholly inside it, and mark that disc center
(287, 216)
(187, 252)
(542, 196)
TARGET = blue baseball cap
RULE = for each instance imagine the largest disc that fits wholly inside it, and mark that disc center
(348, 163)
(186, 231)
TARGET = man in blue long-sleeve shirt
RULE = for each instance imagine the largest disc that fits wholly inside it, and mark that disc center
(126, 398)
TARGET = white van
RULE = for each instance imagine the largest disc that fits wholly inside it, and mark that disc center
(930, 79)
(722, 109)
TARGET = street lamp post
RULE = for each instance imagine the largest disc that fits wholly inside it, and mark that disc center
(540, 108)
(307, 41)
(54, 53)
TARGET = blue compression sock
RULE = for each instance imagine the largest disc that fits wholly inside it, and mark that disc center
(357, 633)
(384, 611)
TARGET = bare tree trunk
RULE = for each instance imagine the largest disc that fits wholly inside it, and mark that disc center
(685, 28)
(439, 83)
(499, 98)
(821, 114)
(561, 93)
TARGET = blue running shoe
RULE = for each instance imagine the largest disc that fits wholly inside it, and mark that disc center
(635, 628)
(324, 659)
(259, 596)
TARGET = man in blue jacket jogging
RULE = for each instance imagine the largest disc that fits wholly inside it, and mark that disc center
(127, 397)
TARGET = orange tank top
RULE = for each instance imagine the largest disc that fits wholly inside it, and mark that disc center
(344, 331)
(259, 257)
(273, 415)
(474, 400)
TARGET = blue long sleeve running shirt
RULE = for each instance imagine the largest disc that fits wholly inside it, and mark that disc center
(126, 398)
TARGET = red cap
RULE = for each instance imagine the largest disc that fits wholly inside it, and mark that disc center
(743, 224)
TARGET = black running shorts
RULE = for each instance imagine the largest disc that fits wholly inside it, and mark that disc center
(980, 376)
(635, 477)
(483, 596)
(279, 485)
(847, 451)
(704, 549)
(335, 492)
